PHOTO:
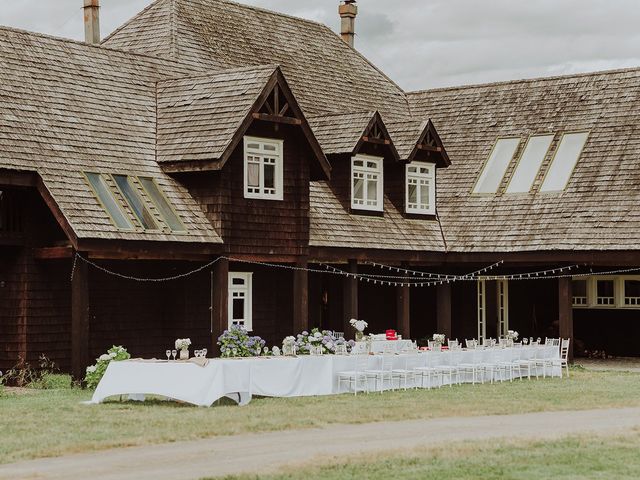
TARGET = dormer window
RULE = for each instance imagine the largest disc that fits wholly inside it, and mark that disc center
(420, 188)
(263, 168)
(366, 183)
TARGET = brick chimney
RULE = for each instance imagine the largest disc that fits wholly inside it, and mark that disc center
(92, 21)
(348, 11)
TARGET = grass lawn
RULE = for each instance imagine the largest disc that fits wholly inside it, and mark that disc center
(567, 459)
(53, 422)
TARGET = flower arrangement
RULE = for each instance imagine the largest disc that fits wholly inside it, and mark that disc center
(439, 337)
(359, 326)
(236, 342)
(288, 346)
(513, 335)
(96, 372)
(324, 339)
(183, 343)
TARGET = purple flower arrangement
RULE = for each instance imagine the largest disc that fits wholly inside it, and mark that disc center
(324, 338)
(236, 342)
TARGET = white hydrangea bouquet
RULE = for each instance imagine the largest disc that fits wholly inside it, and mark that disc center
(359, 326)
(96, 372)
(288, 346)
(439, 338)
(513, 335)
(183, 345)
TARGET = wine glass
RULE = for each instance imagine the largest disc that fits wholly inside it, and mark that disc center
(174, 353)
(168, 354)
(204, 352)
(525, 341)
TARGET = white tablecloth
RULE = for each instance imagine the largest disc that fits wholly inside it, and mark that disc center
(393, 345)
(239, 379)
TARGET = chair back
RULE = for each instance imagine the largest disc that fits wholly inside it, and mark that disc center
(387, 362)
(471, 343)
(453, 344)
(362, 362)
(338, 334)
(564, 348)
(359, 348)
(389, 347)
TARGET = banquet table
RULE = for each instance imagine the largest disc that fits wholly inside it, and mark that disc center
(240, 379)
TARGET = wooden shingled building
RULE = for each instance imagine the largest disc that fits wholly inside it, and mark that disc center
(206, 130)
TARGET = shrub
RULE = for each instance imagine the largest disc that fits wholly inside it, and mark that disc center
(52, 381)
(96, 372)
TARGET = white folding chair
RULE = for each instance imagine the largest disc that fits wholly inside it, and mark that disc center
(474, 367)
(379, 376)
(431, 370)
(407, 375)
(563, 361)
(353, 378)
(338, 334)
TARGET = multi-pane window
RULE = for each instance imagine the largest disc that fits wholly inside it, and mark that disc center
(579, 293)
(108, 201)
(366, 183)
(605, 292)
(240, 308)
(132, 195)
(421, 188)
(631, 295)
(263, 167)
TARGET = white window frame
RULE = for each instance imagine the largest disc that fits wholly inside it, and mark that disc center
(623, 293)
(482, 309)
(263, 155)
(241, 291)
(421, 180)
(594, 292)
(365, 171)
(587, 300)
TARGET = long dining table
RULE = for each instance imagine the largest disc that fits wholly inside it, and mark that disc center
(203, 383)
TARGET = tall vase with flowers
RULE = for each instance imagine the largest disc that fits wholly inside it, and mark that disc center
(359, 326)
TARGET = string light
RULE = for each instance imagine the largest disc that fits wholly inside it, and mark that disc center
(554, 273)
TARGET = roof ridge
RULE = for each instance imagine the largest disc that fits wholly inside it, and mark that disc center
(258, 9)
(342, 114)
(528, 80)
(267, 66)
(95, 45)
(139, 14)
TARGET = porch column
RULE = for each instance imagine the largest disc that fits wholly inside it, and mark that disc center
(219, 301)
(403, 310)
(565, 312)
(80, 319)
(300, 298)
(350, 299)
(443, 309)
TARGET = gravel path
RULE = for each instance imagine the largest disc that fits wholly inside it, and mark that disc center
(268, 451)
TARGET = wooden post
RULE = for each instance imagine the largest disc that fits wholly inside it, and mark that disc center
(300, 298)
(80, 319)
(443, 309)
(350, 299)
(219, 303)
(565, 312)
(403, 310)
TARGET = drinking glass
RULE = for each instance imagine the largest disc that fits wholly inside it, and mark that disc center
(174, 353)
(196, 353)
(204, 352)
(168, 354)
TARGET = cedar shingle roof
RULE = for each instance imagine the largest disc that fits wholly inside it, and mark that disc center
(67, 107)
(325, 74)
(333, 226)
(198, 116)
(599, 208)
(340, 133)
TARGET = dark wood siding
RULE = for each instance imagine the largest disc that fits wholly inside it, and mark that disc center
(254, 226)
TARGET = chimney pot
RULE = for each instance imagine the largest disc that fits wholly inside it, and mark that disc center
(348, 12)
(92, 21)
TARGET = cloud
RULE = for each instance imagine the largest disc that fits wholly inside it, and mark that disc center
(424, 44)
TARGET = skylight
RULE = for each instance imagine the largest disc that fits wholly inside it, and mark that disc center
(529, 164)
(564, 161)
(162, 204)
(108, 201)
(135, 202)
(496, 166)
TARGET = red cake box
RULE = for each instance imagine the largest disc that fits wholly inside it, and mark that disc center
(391, 335)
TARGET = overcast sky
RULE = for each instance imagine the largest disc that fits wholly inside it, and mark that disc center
(427, 43)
